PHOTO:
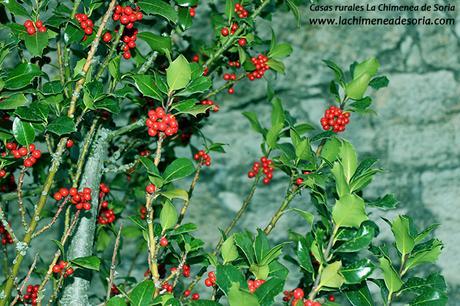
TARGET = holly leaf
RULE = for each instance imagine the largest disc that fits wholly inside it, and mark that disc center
(62, 125)
(21, 76)
(23, 132)
(168, 215)
(178, 169)
(159, 7)
(88, 262)
(36, 43)
(349, 211)
(178, 74)
(156, 42)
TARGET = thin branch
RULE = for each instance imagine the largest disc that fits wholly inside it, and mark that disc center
(114, 259)
(84, 152)
(190, 192)
(55, 217)
(21, 208)
(26, 279)
(287, 200)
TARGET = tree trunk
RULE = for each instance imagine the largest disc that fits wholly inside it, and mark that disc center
(77, 287)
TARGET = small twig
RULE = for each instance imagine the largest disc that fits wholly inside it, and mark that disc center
(49, 225)
(114, 259)
(190, 192)
(56, 290)
(84, 152)
(158, 151)
(26, 279)
(21, 208)
(48, 143)
(287, 200)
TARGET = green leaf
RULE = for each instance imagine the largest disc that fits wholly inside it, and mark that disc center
(269, 290)
(330, 277)
(340, 180)
(260, 271)
(23, 132)
(369, 66)
(21, 76)
(280, 51)
(392, 280)
(36, 43)
(229, 250)
(243, 241)
(307, 216)
(360, 296)
(110, 105)
(261, 245)
(116, 301)
(427, 252)
(62, 125)
(149, 165)
(401, 230)
(303, 256)
(360, 240)
(273, 254)
(331, 149)
(379, 82)
(237, 297)
(430, 297)
(295, 10)
(168, 215)
(337, 70)
(178, 169)
(273, 135)
(226, 275)
(142, 294)
(156, 42)
(175, 194)
(349, 159)
(358, 271)
(159, 7)
(178, 74)
(423, 234)
(389, 201)
(37, 112)
(147, 86)
(357, 88)
(276, 65)
(417, 285)
(229, 9)
(197, 85)
(88, 262)
(349, 211)
(15, 8)
(52, 88)
(13, 101)
(255, 124)
(204, 303)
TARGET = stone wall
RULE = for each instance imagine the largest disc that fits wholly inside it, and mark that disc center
(414, 134)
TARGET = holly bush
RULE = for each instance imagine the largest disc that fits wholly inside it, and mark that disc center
(103, 106)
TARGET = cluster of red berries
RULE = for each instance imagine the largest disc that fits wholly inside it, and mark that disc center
(267, 169)
(85, 23)
(253, 284)
(158, 121)
(167, 286)
(185, 270)
(62, 266)
(31, 154)
(6, 237)
(260, 62)
(129, 41)
(335, 118)
(195, 296)
(204, 158)
(79, 199)
(225, 31)
(143, 212)
(103, 190)
(150, 188)
(32, 27)
(106, 215)
(229, 77)
(234, 63)
(127, 15)
(31, 295)
(215, 107)
(211, 280)
(164, 242)
(240, 11)
(297, 295)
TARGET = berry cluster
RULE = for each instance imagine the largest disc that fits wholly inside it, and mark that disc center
(203, 158)
(254, 284)
(31, 294)
(211, 280)
(85, 23)
(229, 77)
(195, 296)
(30, 154)
(210, 102)
(129, 40)
(143, 212)
(260, 62)
(79, 199)
(335, 118)
(240, 11)
(297, 295)
(62, 266)
(32, 27)
(150, 188)
(168, 287)
(103, 190)
(127, 15)
(267, 169)
(6, 237)
(234, 63)
(159, 121)
(106, 215)
(225, 31)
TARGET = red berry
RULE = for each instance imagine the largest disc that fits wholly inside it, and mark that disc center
(224, 32)
(57, 196)
(88, 31)
(195, 296)
(36, 153)
(39, 23)
(31, 30)
(62, 264)
(127, 55)
(150, 188)
(299, 181)
(69, 143)
(187, 293)
(231, 90)
(28, 163)
(164, 242)
(208, 282)
(128, 10)
(2, 173)
(192, 12)
(124, 19)
(298, 294)
(107, 37)
(42, 29)
(242, 42)
(56, 269)
(331, 298)
(23, 151)
(28, 23)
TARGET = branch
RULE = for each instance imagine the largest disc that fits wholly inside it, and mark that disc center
(190, 192)
(112, 266)
(26, 279)
(287, 200)
(49, 225)
(22, 211)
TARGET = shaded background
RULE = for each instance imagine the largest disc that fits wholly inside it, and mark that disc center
(415, 133)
